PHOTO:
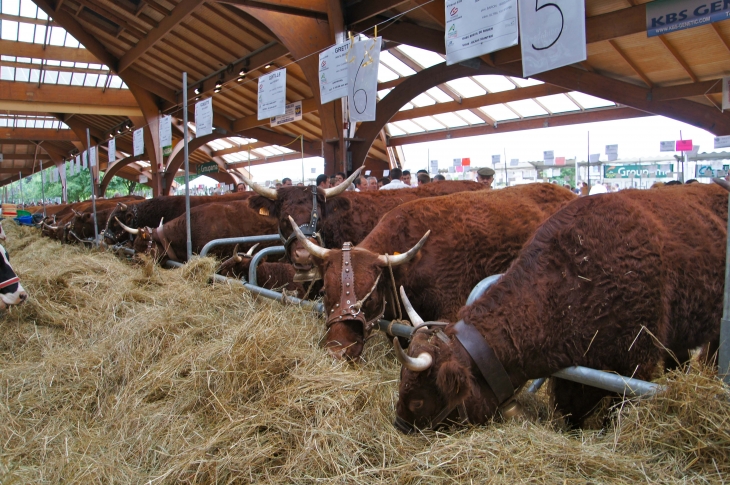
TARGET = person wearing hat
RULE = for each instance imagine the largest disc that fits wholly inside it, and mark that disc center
(485, 176)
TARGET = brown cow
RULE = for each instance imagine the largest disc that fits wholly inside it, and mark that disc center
(342, 216)
(608, 282)
(150, 212)
(473, 235)
(216, 220)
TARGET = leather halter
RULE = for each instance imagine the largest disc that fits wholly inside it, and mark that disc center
(309, 230)
(489, 366)
(346, 308)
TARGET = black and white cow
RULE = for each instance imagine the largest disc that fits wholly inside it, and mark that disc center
(11, 292)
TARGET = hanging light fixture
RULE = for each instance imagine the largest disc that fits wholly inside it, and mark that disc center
(242, 74)
(218, 86)
(197, 90)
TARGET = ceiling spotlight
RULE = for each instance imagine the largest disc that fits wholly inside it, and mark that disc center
(218, 86)
(267, 66)
(243, 72)
(197, 90)
(197, 98)
(111, 135)
(119, 131)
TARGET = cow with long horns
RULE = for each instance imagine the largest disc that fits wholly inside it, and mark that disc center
(330, 217)
(472, 235)
(211, 221)
(621, 282)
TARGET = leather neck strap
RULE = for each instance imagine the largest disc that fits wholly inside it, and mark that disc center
(489, 365)
(346, 308)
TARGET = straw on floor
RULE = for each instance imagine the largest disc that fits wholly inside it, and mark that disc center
(115, 373)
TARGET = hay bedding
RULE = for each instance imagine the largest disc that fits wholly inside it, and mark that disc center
(113, 373)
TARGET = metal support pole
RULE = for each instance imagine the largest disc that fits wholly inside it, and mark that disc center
(93, 192)
(20, 180)
(724, 352)
(189, 239)
(43, 190)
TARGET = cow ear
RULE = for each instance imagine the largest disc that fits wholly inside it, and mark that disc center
(128, 218)
(453, 380)
(258, 202)
(337, 204)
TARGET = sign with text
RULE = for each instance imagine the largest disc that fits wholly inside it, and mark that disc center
(664, 16)
(138, 142)
(684, 146)
(635, 170)
(560, 161)
(166, 134)
(465, 162)
(93, 153)
(293, 112)
(143, 179)
(204, 117)
(666, 146)
(553, 34)
(711, 171)
(434, 166)
(362, 72)
(726, 92)
(594, 157)
(722, 141)
(272, 94)
(612, 157)
(112, 152)
(496, 159)
(83, 162)
(548, 157)
(457, 162)
(611, 149)
(478, 27)
(209, 167)
(333, 80)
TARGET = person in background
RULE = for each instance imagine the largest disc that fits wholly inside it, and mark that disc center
(598, 188)
(359, 187)
(438, 178)
(372, 183)
(485, 176)
(300, 184)
(240, 187)
(339, 178)
(423, 178)
(323, 181)
(383, 181)
(278, 185)
(691, 181)
(396, 182)
(406, 177)
(286, 182)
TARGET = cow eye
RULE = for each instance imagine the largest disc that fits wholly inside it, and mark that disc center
(415, 405)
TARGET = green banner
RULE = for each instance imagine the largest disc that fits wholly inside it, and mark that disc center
(210, 167)
(642, 171)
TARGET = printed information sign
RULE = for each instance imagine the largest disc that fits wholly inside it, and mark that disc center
(664, 16)
(496, 159)
(333, 73)
(293, 113)
(553, 34)
(434, 166)
(93, 153)
(722, 141)
(138, 142)
(272, 94)
(666, 146)
(112, 152)
(362, 72)
(478, 27)
(548, 157)
(204, 117)
(166, 134)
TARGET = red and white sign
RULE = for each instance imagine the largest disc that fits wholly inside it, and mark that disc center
(559, 160)
(684, 145)
(466, 162)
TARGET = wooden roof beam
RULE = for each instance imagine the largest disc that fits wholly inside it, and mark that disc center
(673, 51)
(686, 90)
(51, 52)
(20, 96)
(289, 8)
(519, 125)
(36, 134)
(365, 9)
(631, 63)
(24, 156)
(177, 15)
(725, 42)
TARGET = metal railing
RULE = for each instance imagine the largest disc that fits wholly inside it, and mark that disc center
(237, 240)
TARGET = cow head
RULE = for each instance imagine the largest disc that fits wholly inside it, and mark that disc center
(11, 292)
(146, 241)
(114, 233)
(355, 293)
(298, 203)
(237, 265)
(2, 233)
(81, 227)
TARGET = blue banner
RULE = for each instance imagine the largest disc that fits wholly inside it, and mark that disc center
(665, 16)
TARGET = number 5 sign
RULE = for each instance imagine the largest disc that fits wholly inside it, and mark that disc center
(553, 34)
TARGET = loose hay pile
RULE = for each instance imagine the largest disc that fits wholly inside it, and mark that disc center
(113, 373)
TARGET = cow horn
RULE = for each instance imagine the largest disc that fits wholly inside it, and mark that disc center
(722, 183)
(343, 186)
(399, 259)
(76, 212)
(236, 257)
(415, 364)
(313, 249)
(267, 192)
(48, 226)
(161, 221)
(128, 229)
(416, 319)
(249, 253)
(122, 206)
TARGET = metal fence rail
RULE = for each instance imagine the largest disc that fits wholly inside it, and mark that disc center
(238, 240)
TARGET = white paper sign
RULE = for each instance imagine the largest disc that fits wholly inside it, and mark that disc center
(93, 158)
(112, 154)
(548, 157)
(272, 94)
(314, 170)
(138, 141)
(514, 162)
(333, 80)
(166, 134)
(434, 167)
(83, 162)
(478, 27)
(293, 113)
(553, 34)
(666, 146)
(496, 159)
(386, 173)
(457, 162)
(1, 157)
(612, 157)
(362, 72)
(204, 117)
(595, 157)
(611, 149)
(367, 173)
(142, 179)
(722, 141)
(726, 92)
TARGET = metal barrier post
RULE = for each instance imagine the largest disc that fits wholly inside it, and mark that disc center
(252, 279)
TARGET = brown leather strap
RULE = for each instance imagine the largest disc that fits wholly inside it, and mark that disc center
(488, 363)
(346, 308)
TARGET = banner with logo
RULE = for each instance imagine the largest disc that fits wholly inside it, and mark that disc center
(362, 72)
(664, 16)
(635, 170)
(478, 27)
(711, 170)
(293, 112)
(166, 134)
(272, 94)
